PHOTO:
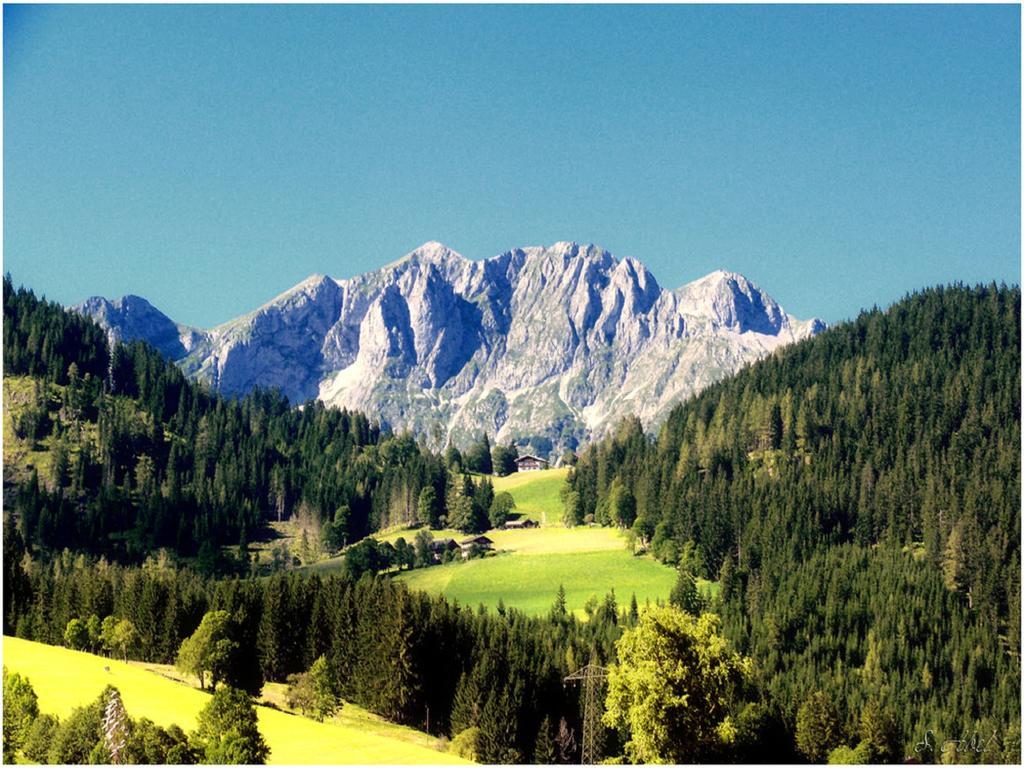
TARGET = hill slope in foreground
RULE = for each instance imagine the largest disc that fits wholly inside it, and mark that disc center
(293, 740)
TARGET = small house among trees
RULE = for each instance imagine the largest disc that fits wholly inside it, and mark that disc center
(439, 547)
(475, 544)
(529, 462)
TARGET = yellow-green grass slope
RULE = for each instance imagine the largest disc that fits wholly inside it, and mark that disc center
(537, 494)
(533, 562)
(64, 679)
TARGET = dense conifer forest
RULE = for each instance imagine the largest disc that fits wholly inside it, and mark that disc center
(857, 496)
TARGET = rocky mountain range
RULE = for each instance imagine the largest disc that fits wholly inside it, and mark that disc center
(543, 346)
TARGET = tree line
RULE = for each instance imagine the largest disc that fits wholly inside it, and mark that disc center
(494, 682)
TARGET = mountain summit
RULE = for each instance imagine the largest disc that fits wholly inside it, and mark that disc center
(544, 346)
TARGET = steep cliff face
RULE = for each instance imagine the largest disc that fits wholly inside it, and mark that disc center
(545, 346)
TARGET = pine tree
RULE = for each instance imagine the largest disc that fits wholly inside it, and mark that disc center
(817, 728)
(498, 724)
(544, 747)
(952, 561)
(558, 609)
(775, 427)
(684, 594)
(461, 514)
(878, 728)
(726, 579)
(427, 507)
(466, 704)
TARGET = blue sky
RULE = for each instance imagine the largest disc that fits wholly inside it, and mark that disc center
(209, 157)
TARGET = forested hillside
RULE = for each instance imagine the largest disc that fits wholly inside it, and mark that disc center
(137, 457)
(858, 497)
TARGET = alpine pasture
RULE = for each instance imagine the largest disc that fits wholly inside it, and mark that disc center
(536, 493)
(529, 582)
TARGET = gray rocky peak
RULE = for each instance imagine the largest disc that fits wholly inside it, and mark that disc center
(132, 318)
(543, 346)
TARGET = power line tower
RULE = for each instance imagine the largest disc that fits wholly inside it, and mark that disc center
(592, 676)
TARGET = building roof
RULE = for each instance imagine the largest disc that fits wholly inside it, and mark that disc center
(528, 456)
(443, 543)
(475, 540)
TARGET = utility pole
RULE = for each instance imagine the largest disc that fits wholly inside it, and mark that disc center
(592, 676)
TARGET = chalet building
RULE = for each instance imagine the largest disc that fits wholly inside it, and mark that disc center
(513, 525)
(481, 542)
(438, 547)
(528, 463)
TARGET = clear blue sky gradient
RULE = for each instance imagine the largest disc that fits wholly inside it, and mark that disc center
(209, 157)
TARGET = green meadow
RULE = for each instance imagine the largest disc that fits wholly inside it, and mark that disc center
(529, 581)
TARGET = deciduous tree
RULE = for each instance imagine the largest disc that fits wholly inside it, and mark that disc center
(210, 649)
(673, 686)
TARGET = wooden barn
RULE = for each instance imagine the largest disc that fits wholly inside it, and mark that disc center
(530, 463)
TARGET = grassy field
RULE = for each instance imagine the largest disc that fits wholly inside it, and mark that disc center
(533, 541)
(536, 493)
(529, 581)
(64, 679)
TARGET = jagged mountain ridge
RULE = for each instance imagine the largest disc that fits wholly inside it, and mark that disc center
(544, 346)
